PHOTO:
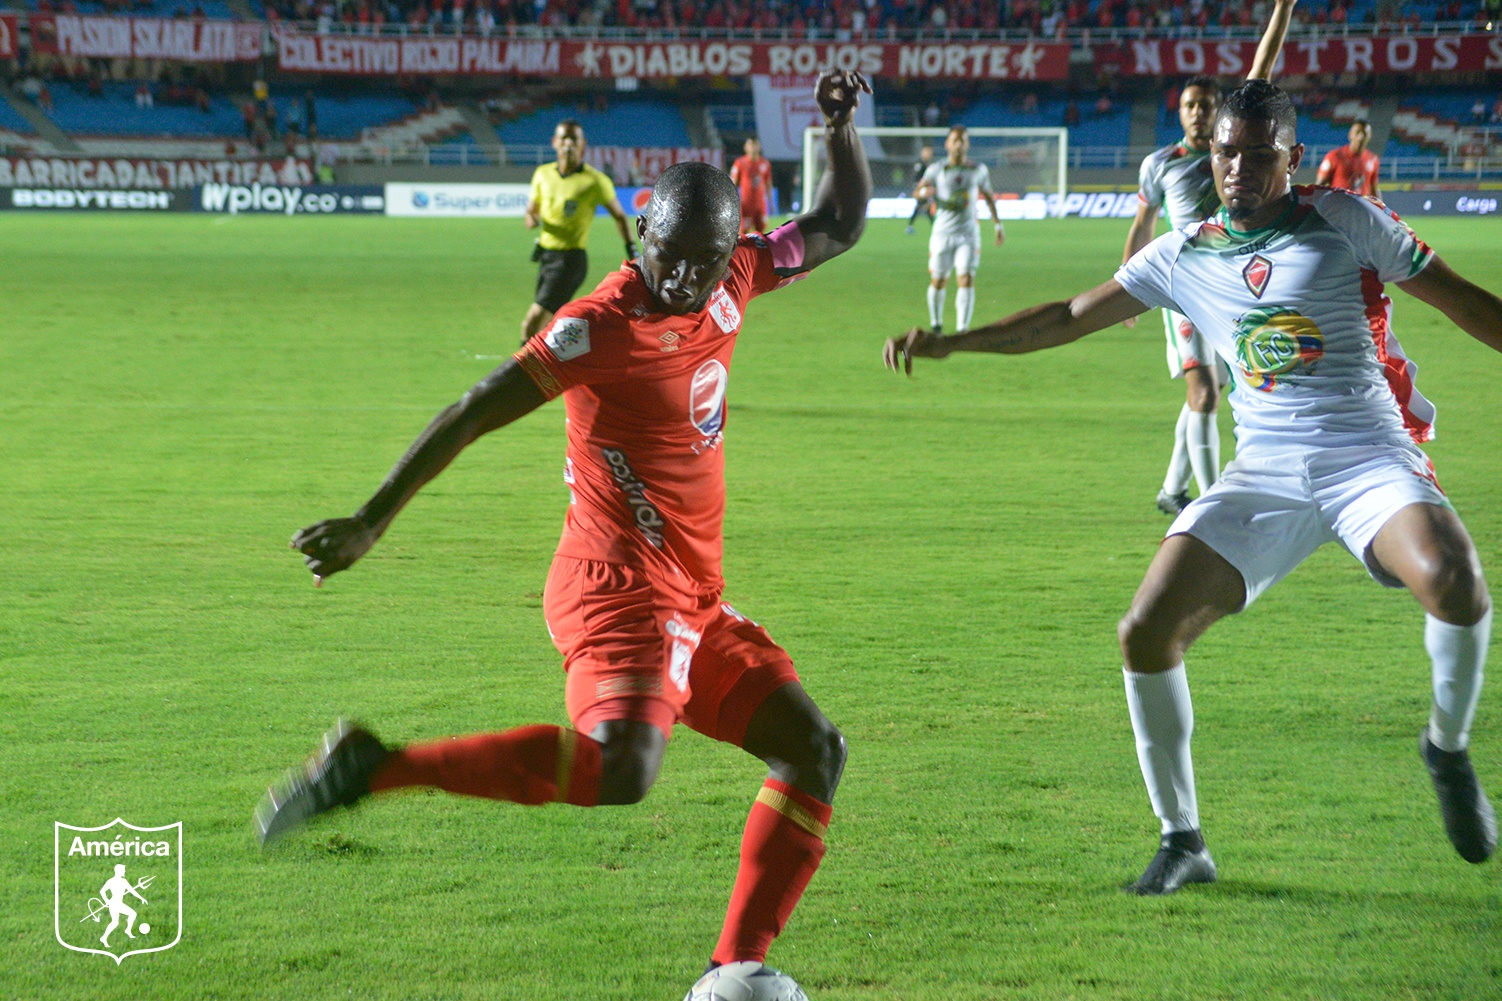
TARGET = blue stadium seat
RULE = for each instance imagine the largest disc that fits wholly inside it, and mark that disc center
(115, 113)
(342, 117)
(627, 123)
(12, 120)
(1112, 129)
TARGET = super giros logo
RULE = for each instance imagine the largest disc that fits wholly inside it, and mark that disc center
(1272, 342)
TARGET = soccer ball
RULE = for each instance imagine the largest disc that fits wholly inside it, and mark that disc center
(745, 981)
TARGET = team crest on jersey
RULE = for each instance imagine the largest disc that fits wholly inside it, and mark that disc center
(1273, 342)
(722, 308)
(1256, 273)
(569, 338)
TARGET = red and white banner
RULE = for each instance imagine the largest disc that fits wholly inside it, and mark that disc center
(310, 53)
(1377, 54)
(134, 174)
(194, 41)
(649, 161)
(10, 27)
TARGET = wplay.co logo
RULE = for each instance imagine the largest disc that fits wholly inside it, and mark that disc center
(122, 890)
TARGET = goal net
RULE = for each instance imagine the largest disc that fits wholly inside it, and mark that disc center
(1026, 165)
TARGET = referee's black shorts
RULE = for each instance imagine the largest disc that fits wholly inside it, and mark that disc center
(559, 275)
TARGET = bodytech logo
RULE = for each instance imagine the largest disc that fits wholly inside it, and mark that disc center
(648, 518)
(117, 889)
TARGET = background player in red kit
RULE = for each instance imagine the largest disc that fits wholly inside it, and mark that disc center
(752, 173)
(1353, 166)
(634, 596)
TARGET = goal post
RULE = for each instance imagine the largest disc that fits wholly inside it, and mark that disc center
(1026, 165)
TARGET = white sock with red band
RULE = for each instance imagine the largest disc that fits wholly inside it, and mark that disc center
(935, 307)
(1177, 480)
(1202, 441)
(1459, 655)
(1163, 720)
(964, 307)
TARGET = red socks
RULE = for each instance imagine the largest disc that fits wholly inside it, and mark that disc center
(531, 765)
(780, 850)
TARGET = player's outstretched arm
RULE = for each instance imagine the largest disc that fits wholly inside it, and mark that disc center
(1469, 306)
(1045, 326)
(837, 214)
(1272, 41)
(501, 397)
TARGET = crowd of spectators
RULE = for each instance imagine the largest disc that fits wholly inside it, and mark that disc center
(857, 19)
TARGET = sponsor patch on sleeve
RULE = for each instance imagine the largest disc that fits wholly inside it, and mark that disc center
(568, 338)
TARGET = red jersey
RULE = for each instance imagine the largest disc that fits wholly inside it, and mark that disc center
(1355, 172)
(645, 393)
(754, 178)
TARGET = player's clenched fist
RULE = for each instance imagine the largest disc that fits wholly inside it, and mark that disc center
(838, 92)
(334, 545)
(916, 343)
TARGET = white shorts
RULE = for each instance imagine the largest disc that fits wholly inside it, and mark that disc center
(1188, 349)
(1272, 507)
(960, 254)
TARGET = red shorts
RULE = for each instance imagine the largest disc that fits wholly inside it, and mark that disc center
(753, 217)
(640, 647)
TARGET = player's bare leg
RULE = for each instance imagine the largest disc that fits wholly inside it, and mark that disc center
(1187, 589)
(964, 301)
(630, 757)
(537, 317)
(1426, 546)
(784, 837)
(936, 295)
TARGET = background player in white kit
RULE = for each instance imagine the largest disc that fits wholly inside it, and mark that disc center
(1177, 178)
(1288, 286)
(954, 244)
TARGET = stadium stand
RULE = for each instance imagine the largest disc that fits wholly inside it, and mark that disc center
(1110, 127)
(115, 112)
(624, 124)
(11, 120)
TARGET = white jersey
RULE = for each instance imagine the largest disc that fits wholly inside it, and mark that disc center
(956, 189)
(1179, 179)
(1297, 309)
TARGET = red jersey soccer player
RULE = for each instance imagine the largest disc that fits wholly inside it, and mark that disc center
(752, 173)
(633, 599)
(1352, 167)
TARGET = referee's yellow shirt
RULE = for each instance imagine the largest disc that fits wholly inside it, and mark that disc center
(568, 204)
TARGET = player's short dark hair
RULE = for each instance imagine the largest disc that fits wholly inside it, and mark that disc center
(694, 194)
(1260, 101)
(1203, 82)
(1361, 120)
(571, 124)
(957, 128)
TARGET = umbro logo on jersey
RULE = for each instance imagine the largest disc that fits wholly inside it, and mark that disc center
(1256, 273)
(670, 341)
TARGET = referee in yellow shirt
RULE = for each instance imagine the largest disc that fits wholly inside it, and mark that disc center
(564, 197)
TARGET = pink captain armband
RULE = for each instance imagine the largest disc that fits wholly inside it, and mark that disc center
(786, 242)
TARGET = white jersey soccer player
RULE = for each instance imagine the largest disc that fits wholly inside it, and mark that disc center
(1177, 178)
(1328, 421)
(955, 184)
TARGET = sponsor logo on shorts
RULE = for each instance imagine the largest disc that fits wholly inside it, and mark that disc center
(1271, 343)
(648, 519)
(1256, 273)
(569, 338)
(628, 685)
(685, 643)
(706, 398)
(723, 309)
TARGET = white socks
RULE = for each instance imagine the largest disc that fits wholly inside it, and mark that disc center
(1163, 720)
(1177, 480)
(1202, 438)
(964, 307)
(1459, 655)
(935, 307)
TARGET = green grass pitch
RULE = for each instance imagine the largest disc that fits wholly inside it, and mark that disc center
(945, 557)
